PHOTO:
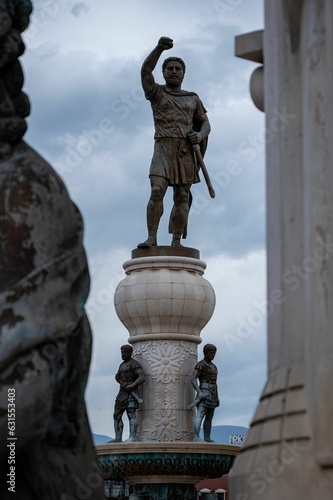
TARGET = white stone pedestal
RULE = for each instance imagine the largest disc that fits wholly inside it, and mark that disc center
(165, 302)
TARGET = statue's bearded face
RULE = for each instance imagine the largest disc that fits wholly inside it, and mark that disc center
(210, 354)
(173, 74)
(126, 353)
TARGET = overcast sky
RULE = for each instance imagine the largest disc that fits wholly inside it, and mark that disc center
(90, 120)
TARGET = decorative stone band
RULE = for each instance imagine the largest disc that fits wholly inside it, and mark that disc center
(171, 262)
(164, 336)
(161, 250)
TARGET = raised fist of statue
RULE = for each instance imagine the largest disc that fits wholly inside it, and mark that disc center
(165, 43)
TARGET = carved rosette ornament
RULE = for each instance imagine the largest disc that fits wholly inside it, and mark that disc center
(165, 302)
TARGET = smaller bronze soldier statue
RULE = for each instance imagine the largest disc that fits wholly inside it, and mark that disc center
(207, 396)
(129, 376)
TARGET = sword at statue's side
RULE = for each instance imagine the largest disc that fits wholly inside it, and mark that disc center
(135, 396)
(195, 402)
(196, 149)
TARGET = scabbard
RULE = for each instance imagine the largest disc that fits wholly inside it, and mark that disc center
(136, 397)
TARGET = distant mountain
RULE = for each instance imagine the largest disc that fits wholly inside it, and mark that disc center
(100, 439)
(223, 433)
(220, 434)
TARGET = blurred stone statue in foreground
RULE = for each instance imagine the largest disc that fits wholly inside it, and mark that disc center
(181, 125)
(207, 396)
(129, 376)
(45, 339)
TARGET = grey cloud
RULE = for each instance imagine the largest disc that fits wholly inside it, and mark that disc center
(46, 50)
(79, 8)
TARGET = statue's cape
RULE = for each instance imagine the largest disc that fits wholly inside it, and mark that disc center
(177, 93)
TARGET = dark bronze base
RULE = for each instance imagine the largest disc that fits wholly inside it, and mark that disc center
(165, 251)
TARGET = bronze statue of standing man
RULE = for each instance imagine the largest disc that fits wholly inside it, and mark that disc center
(130, 375)
(207, 395)
(181, 122)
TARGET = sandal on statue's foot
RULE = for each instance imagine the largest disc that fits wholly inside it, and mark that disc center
(150, 242)
(176, 243)
(198, 439)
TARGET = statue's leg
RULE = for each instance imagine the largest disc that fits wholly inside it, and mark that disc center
(201, 410)
(133, 425)
(159, 186)
(118, 424)
(207, 425)
(180, 198)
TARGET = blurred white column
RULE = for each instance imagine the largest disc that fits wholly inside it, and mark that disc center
(288, 451)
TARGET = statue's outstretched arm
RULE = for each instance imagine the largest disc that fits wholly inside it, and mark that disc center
(150, 62)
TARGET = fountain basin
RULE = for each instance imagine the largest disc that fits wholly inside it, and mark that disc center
(165, 464)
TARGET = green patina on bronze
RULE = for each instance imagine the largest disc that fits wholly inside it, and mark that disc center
(123, 465)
